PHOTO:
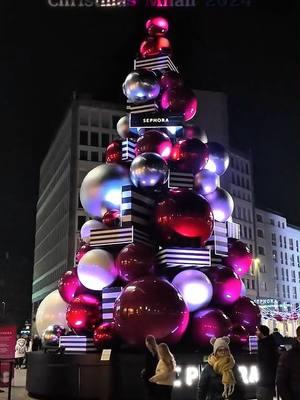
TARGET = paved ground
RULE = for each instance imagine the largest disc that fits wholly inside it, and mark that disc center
(18, 390)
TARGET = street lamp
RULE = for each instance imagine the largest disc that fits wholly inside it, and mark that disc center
(3, 308)
(256, 273)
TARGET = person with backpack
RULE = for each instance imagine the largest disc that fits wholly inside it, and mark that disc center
(20, 351)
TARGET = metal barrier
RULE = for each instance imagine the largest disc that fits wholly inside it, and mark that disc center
(11, 362)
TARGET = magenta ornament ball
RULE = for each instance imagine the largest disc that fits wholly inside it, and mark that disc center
(190, 155)
(209, 323)
(238, 335)
(153, 306)
(170, 80)
(81, 252)
(227, 285)
(247, 313)
(239, 257)
(68, 285)
(180, 100)
(104, 335)
(195, 288)
(154, 141)
(157, 26)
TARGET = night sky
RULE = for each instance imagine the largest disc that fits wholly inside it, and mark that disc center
(251, 53)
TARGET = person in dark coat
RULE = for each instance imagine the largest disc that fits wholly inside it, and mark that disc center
(36, 343)
(151, 361)
(278, 338)
(288, 372)
(220, 378)
(267, 359)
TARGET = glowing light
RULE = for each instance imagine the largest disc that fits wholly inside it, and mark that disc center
(191, 375)
(114, 196)
(211, 166)
(219, 215)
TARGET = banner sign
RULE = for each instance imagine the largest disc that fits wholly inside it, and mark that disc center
(144, 120)
(8, 335)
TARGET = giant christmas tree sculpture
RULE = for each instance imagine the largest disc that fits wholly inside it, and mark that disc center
(161, 254)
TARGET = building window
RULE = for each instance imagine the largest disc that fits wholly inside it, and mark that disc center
(282, 225)
(291, 244)
(271, 221)
(278, 224)
(274, 255)
(105, 119)
(95, 139)
(252, 284)
(83, 155)
(103, 157)
(250, 233)
(277, 290)
(294, 276)
(247, 184)
(259, 218)
(94, 118)
(80, 221)
(247, 168)
(261, 251)
(242, 182)
(297, 246)
(288, 292)
(273, 239)
(79, 202)
(95, 156)
(282, 274)
(299, 276)
(284, 241)
(287, 275)
(286, 258)
(283, 290)
(281, 257)
(280, 240)
(298, 261)
(266, 288)
(250, 248)
(276, 274)
(292, 260)
(260, 233)
(249, 215)
(104, 140)
(233, 178)
(84, 138)
(245, 231)
(115, 120)
(248, 284)
(83, 119)
(294, 292)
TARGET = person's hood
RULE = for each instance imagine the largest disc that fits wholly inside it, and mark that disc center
(21, 342)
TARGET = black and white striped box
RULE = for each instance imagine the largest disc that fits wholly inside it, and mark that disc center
(181, 180)
(233, 230)
(155, 63)
(149, 107)
(183, 257)
(77, 344)
(218, 242)
(109, 296)
(128, 150)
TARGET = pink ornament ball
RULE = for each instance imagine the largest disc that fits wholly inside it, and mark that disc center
(170, 80)
(239, 257)
(247, 313)
(239, 335)
(68, 285)
(191, 155)
(180, 100)
(154, 142)
(157, 26)
(104, 335)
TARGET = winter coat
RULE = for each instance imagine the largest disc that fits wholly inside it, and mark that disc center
(20, 349)
(163, 374)
(211, 387)
(267, 360)
(288, 374)
(151, 362)
(278, 338)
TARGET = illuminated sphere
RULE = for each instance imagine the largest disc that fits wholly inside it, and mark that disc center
(191, 131)
(141, 86)
(227, 285)
(113, 152)
(154, 142)
(104, 335)
(191, 155)
(85, 231)
(81, 252)
(170, 80)
(68, 285)
(221, 203)
(195, 288)
(134, 261)
(179, 100)
(155, 46)
(51, 335)
(218, 161)
(96, 269)
(112, 218)
(238, 335)
(184, 213)
(123, 128)
(157, 26)
(247, 313)
(206, 182)
(150, 306)
(149, 170)
(209, 323)
(51, 311)
(84, 314)
(239, 257)
(101, 189)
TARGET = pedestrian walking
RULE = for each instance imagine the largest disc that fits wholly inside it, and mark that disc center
(288, 372)
(220, 378)
(20, 351)
(36, 343)
(165, 373)
(278, 338)
(267, 360)
(151, 361)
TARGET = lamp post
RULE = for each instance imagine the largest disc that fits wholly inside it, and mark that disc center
(256, 272)
(3, 308)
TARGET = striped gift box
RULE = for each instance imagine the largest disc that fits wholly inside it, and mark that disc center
(216, 260)
(77, 344)
(183, 257)
(155, 63)
(218, 242)
(109, 296)
(118, 236)
(128, 150)
(181, 180)
(233, 230)
(142, 108)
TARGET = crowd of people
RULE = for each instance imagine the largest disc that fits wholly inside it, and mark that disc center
(24, 345)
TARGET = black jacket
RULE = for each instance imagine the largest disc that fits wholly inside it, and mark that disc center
(288, 374)
(211, 387)
(151, 362)
(278, 338)
(267, 360)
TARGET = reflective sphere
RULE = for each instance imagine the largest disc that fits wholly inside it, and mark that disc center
(206, 182)
(104, 335)
(112, 218)
(68, 285)
(170, 80)
(185, 213)
(247, 313)
(123, 128)
(226, 284)
(134, 261)
(96, 269)
(238, 335)
(221, 203)
(85, 231)
(157, 26)
(149, 170)
(239, 257)
(51, 311)
(180, 100)
(84, 314)
(150, 306)
(113, 152)
(81, 252)
(52, 334)
(155, 46)
(209, 323)
(195, 288)
(192, 131)
(141, 86)
(243, 289)
(191, 154)
(101, 189)
(218, 158)
(154, 142)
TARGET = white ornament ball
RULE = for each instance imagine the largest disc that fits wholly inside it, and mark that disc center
(51, 311)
